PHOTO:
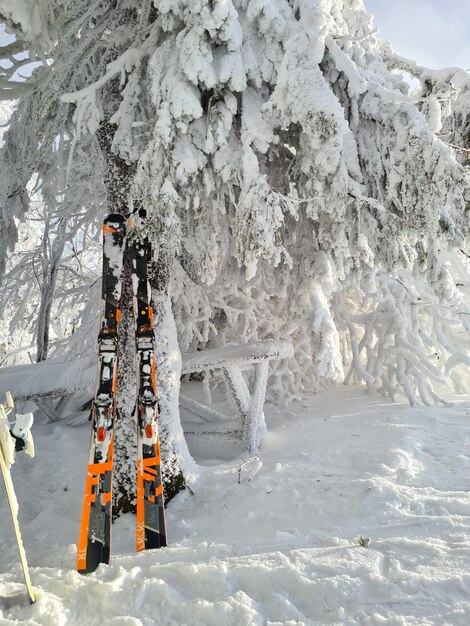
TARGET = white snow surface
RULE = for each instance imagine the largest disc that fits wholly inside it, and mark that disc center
(270, 540)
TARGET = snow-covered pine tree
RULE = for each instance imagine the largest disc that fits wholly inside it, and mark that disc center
(293, 185)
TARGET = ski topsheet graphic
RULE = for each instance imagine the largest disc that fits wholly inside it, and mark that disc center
(94, 544)
(18, 437)
(151, 531)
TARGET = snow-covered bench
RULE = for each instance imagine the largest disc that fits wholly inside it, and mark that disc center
(229, 363)
(50, 383)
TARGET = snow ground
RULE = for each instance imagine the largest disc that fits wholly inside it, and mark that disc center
(272, 540)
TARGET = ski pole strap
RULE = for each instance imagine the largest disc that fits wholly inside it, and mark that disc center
(20, 443)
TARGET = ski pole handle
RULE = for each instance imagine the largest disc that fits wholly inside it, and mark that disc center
(22, 430)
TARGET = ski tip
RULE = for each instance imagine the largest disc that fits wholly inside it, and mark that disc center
(115, 218)
(114, 222)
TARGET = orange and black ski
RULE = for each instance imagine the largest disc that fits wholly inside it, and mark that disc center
(150, 531)
(94, 542)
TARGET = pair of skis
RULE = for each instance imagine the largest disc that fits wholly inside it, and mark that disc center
(94, 543)
(9, 440)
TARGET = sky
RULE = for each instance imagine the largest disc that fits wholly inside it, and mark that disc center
(435, 33)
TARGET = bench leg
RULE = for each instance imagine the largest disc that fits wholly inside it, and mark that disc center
(238, 389)
(46, 405)
(249, 405)
(254, 425)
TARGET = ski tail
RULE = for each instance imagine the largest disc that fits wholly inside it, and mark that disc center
(94, 542)
(151, 526)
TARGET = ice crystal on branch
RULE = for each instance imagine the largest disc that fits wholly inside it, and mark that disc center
(281, 159)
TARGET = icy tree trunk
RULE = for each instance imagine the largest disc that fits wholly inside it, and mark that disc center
(44, 315)
(118, 176)
(118, 173)
(125, 443)
(176, 459)
(52, 254)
